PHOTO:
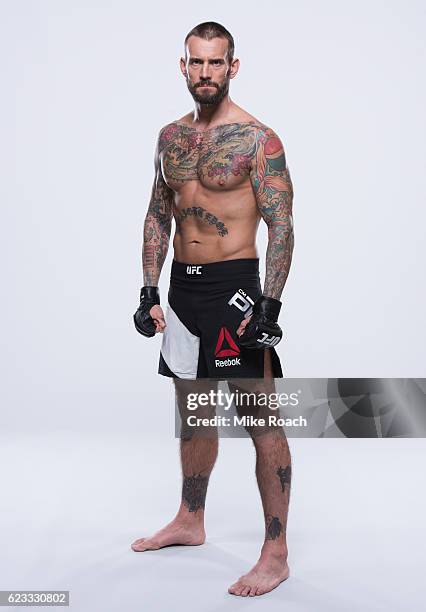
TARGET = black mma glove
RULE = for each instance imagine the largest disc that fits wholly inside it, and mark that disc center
(262, 331)
(144, 323)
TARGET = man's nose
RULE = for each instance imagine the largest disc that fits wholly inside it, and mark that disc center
(205, 71)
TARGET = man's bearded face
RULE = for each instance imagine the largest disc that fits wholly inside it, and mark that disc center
(207, 70)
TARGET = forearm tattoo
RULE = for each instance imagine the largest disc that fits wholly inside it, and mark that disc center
(274, 527)
(204, 215)
(272, 186)
(194, 490)
(157, 229)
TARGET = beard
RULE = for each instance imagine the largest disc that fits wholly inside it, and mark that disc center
(209, 99)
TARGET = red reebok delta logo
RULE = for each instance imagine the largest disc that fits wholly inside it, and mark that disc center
(230, 349)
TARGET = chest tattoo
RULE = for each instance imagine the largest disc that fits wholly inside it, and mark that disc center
(217, 154)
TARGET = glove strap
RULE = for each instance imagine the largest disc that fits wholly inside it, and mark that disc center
(150, 294)
(267, 307)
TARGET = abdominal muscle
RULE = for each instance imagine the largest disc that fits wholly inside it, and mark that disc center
(215, 226)
(195, 245)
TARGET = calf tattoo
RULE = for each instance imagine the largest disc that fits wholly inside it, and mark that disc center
(194, 492)
(204, 215)
(274, 527)
(284, 474)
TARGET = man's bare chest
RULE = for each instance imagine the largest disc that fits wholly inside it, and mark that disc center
(220, 158)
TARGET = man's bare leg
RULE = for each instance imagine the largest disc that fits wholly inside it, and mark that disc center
(273, 473)
(198, 452)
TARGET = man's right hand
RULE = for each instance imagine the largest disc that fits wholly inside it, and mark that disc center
(149, 317)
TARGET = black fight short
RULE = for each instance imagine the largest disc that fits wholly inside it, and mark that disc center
(206, 305)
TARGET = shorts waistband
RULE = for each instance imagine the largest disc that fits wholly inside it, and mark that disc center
(215, 272)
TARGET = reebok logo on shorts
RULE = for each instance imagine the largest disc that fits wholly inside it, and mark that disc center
(219, 363)
(226, 347)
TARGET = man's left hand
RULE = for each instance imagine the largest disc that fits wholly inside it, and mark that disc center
(261, 330)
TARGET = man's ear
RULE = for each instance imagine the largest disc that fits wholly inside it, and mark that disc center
(235, 66)
(183, 67)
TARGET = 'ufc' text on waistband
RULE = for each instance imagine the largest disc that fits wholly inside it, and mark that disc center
(193, 269)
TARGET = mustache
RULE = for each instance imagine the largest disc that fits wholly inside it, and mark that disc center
(200, 83)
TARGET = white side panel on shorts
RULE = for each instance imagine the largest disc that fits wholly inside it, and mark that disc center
(180, 348)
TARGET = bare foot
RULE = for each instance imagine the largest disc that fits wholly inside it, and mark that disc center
(176, 532)
(266, 575)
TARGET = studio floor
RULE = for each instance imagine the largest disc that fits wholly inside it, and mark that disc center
(72, 503)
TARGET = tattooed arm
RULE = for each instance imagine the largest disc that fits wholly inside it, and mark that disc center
(274, 194)
(157, 226)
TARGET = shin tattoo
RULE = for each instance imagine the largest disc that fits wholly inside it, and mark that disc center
(194, 490)
(274, 527)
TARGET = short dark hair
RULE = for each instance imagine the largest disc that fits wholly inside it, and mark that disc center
(211, 29)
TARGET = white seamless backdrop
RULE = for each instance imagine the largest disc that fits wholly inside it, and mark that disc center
(85, 88)
(86, 438)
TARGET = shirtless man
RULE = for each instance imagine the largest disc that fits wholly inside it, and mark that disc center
(218, 172)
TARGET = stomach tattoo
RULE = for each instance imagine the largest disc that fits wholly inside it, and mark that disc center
(204, 215)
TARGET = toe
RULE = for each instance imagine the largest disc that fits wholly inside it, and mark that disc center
(253, 591)
(137, 543)
(146, 544)
(239, 589)
(235, 588)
